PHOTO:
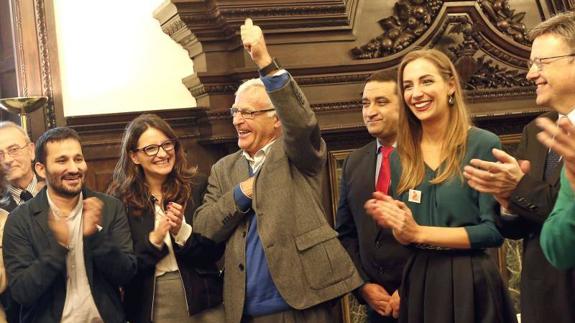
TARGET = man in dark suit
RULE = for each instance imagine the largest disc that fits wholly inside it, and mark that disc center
(283, 262)
(378, 257)
(527, 187)
(68, 250)
(16, 158)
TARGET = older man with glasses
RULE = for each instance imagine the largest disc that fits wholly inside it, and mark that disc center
(527, 187)
(16, 157)
(283, 261)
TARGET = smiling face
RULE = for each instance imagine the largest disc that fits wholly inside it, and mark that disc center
(425, 91)
(380, 110)
(18, 167)
(254, 134)
(556, 80)
(64, 168)
(160, 165)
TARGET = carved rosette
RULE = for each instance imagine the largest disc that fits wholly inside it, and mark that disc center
(410, 20)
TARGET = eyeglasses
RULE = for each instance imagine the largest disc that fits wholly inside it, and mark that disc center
(539, 62)
(12, 151)
(247, 114)
(153, 150)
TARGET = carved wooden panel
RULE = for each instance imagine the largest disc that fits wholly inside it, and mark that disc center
(330, 47)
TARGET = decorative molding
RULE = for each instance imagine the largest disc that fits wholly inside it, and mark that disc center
(490, 95)
(21, 67)
(410, 20)
(45, 71)
(201, 89)
(288, 10)
(492, 76)
(116, 122)
(220, 21)
(506, 20)
(174, 25)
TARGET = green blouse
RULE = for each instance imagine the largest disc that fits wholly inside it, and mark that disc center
(453, 203)
(558, 233)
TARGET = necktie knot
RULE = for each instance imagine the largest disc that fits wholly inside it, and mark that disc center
(385, 151)
(25, 195)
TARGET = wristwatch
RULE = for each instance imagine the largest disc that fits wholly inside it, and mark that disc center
(273, 66)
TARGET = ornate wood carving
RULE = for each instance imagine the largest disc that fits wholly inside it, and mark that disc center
(506, 19)
(410, 20)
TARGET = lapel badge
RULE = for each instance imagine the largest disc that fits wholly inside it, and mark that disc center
(414, 196)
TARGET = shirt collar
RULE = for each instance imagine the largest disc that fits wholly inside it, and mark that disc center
(379, 145)
(262, 153)
(57, 212)
(16, 191)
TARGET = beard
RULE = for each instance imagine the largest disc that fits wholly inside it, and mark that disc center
(58, 185)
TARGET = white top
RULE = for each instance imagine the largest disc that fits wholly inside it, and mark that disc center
(168, 263)
(79, 305)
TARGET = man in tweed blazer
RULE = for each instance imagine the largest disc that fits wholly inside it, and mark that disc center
(283, 261)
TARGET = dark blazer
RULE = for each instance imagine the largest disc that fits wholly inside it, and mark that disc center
(307, 263)
(36, 263)
(378, 257)
(547, 294)
(7, 202)
(11, 308)
(196, 262)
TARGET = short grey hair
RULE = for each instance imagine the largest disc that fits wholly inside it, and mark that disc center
(10, 124)
(254, 83)
(562, 25)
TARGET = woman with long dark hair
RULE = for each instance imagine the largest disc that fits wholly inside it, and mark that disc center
(177, 280)
(449, 277)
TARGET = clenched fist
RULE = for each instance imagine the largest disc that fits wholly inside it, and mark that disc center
(254, 43)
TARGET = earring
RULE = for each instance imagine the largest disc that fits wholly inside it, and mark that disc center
(450, 99)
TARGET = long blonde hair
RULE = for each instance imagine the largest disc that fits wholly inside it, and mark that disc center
(409, 134)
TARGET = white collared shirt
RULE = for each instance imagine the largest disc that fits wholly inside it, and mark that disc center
(79, 305)
(257, 161)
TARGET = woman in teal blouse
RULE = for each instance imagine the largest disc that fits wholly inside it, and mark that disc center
(449, 278)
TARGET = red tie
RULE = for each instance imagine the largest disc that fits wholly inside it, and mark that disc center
(384, 176)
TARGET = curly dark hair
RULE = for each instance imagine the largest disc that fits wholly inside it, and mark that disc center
(128, 181)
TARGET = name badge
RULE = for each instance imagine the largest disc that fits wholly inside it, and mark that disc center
(414, 196)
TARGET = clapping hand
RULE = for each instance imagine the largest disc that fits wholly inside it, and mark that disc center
(393, 214)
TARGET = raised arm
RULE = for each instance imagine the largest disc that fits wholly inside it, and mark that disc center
(301, 133)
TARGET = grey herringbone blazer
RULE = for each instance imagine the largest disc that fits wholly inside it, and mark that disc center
(306, 260)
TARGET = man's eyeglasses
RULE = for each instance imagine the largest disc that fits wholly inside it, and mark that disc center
(540, 62)
(153, 150)
(248, 114)
(12, 151)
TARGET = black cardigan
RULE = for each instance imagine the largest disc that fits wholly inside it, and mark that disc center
(196, 262)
